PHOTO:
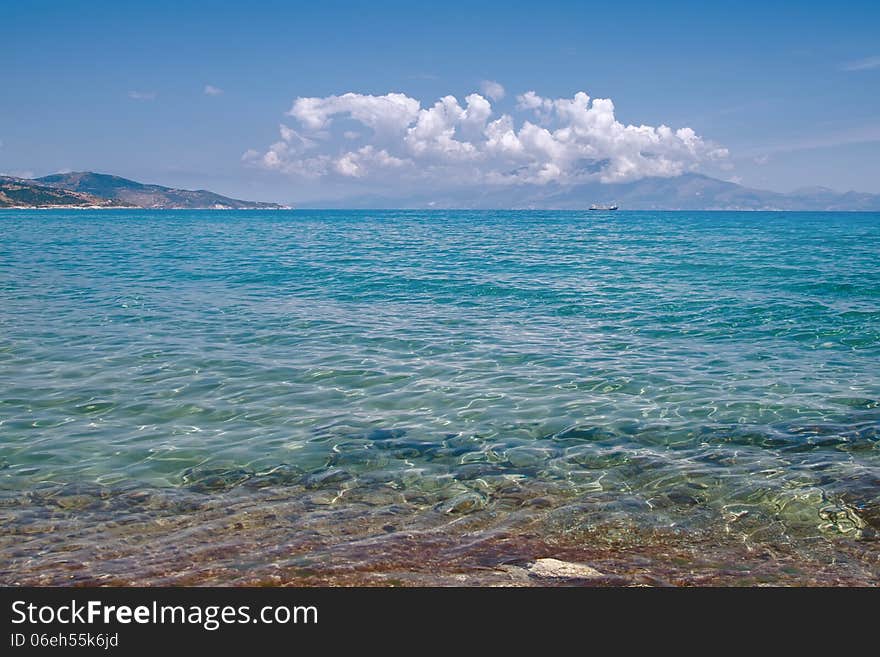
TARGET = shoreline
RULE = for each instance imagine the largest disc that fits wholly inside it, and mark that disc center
(333, 536)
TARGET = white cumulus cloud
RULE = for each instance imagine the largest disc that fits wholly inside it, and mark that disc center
(388, 113)
(452, 142)
(492, 89)
(211, 90)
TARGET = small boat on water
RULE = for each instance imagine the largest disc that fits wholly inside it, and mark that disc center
(607, 208)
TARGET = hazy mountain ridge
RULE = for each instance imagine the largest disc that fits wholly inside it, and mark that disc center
(686, 192)
(113, 191)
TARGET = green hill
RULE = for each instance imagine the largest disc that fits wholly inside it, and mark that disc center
(20, 192)
(130, 192)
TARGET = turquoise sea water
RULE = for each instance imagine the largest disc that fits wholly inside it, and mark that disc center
(333, 379)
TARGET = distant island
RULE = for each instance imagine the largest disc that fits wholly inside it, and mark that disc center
(85, 189)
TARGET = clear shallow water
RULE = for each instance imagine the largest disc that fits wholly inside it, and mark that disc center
(623, 379)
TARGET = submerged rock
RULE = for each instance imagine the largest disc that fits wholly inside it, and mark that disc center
(528, 457)
(327, 478)
(555, 568)
(464, 503)
(578, 434)
(209, 480)
(280, 475)
(383, 434)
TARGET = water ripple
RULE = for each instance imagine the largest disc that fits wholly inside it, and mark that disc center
(710, 370)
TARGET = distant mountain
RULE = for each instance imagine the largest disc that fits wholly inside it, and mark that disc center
(690, 191)
(131, 193)
(20, 192)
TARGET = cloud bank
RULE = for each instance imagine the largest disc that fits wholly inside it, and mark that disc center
(540, 140)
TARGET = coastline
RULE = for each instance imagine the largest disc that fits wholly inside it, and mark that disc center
(130, 207)
(71, 207)
(283, 536)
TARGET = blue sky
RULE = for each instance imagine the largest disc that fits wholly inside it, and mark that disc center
(791, 92)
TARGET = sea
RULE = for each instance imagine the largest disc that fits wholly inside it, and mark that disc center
(438, 397)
